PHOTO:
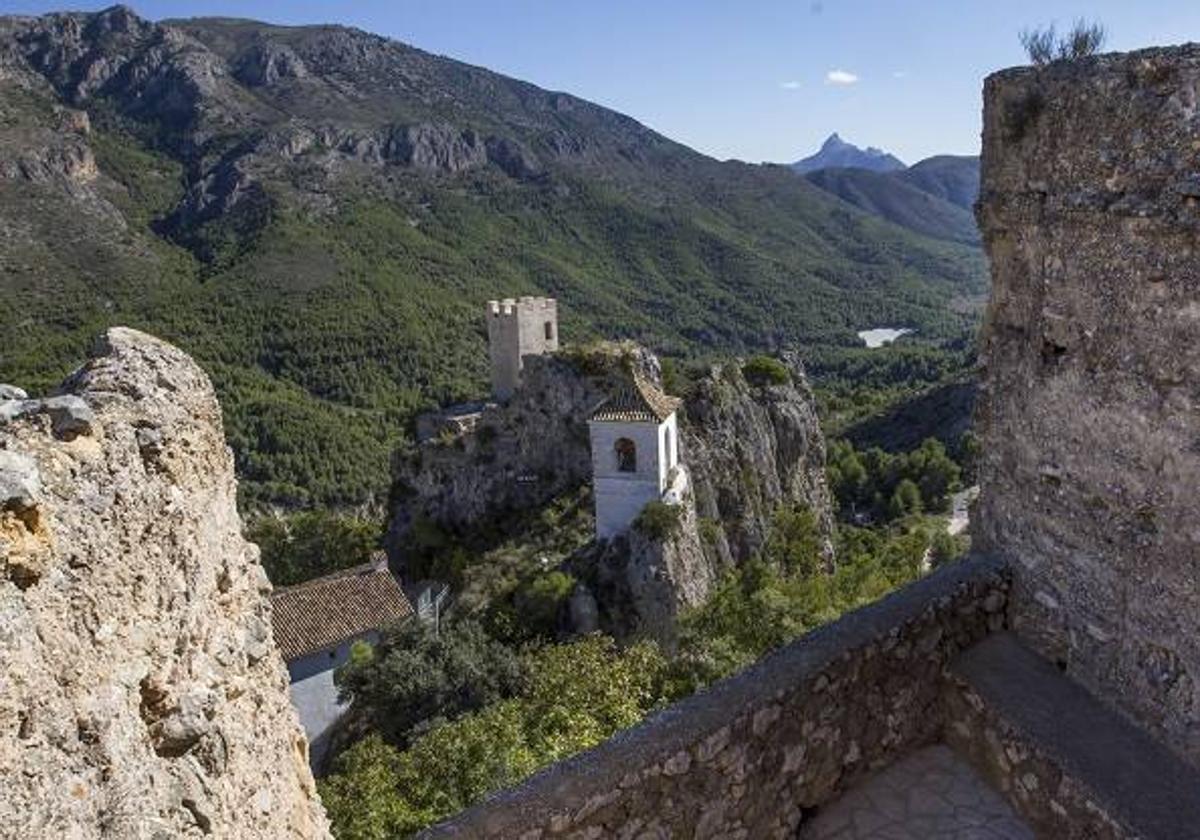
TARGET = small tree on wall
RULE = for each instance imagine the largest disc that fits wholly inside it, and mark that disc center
(1045, 45)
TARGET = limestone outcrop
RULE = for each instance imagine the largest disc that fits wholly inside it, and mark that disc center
(641, 580)
(141, 694)
(752, 447)
(520, 455)
(749, 448)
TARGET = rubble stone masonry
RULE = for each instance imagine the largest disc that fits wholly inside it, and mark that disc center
(1090, 212)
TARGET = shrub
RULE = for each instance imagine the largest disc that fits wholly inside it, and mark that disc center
(866, 483)
(766, 370)
(906, 499)
(419, 676)
(795, 543)
(1044, 45)
(573, 697)
(539, 601)
(306, 545)
(710, 530)
(659, 520)
(946, 548)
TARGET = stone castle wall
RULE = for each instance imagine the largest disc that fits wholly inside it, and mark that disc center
(1090, 211)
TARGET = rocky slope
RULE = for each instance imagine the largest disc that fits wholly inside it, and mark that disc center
(317, 215)
(637, 584)
(142, 694)
(890, 197)
(952, 177)
(521, 454)
(943, 412)
(752, 447)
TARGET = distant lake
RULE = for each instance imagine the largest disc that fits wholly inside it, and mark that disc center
(882, 335)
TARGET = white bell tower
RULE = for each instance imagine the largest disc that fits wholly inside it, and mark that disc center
(635, 447)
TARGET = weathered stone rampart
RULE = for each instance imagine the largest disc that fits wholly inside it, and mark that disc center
(748, 757)
(1090, 211)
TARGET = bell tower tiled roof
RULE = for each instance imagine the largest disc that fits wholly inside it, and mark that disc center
(639, 401)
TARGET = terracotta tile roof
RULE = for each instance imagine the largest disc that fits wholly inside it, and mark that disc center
(638, 402)
(325, 612)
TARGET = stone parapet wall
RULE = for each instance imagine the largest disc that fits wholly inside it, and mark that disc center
(1052, 801)
(748, 757)
(1090, 211)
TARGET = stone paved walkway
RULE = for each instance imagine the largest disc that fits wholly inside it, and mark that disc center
(930, 795)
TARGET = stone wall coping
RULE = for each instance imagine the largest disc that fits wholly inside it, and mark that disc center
(1090, 66)
(685, 723)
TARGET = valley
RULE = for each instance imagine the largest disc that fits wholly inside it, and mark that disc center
(392, 448)
(315, 213)
(319, 216)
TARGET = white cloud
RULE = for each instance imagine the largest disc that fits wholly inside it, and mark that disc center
(840, 77)
(790, 85)
(899, 74)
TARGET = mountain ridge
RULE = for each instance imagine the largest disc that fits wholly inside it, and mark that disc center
(836, 152)
(933, 197)
(317, 215)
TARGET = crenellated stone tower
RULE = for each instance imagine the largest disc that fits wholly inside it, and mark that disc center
(518, 328)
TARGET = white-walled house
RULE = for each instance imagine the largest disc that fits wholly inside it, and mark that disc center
(635, 447)
(315, 624)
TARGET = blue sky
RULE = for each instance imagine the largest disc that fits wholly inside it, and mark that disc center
(755, 80)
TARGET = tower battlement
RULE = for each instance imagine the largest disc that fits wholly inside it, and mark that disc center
(518, 327)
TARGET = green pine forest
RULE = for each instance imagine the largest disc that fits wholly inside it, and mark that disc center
(325, 333)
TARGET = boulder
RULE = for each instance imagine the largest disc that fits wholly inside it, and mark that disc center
(20, 481)
(10, 410)
(69, 415)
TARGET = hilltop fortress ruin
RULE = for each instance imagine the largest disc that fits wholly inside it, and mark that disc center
(566, 417)
(516, 329)
(1061, 662)
(634, 432)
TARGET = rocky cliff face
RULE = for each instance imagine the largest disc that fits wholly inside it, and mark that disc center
(521, 455)
(639, 582)
(748, 449)
(751, 448)
(205, 83)
(142, 695)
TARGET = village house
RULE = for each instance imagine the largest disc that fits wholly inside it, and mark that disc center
(317, 622)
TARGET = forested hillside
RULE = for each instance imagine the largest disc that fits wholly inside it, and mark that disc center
(934, 197)
(318, 214)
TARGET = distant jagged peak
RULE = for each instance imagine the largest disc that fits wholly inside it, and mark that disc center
(836, 152)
